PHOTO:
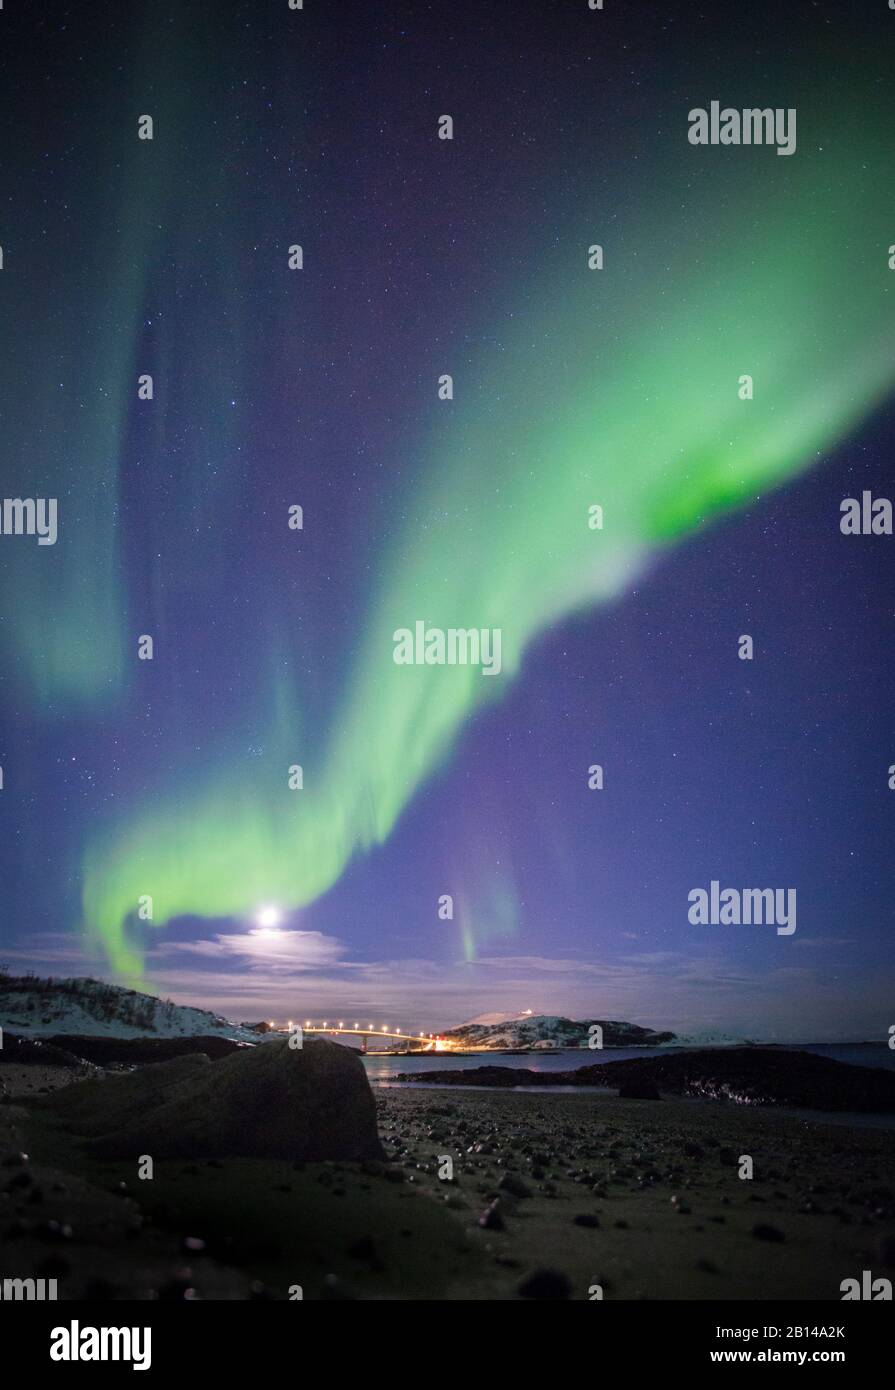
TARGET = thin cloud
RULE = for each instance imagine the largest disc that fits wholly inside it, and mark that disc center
(270, 947)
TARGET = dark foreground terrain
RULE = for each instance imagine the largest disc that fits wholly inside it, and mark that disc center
(551, 1195)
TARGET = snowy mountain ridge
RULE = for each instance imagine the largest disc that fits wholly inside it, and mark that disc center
(551, 1030)
(33, 1007)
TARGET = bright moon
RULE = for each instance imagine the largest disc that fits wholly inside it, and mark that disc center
(268, 917)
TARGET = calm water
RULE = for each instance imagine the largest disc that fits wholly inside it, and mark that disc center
(383, 1069)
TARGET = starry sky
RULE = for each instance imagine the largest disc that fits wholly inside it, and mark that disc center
(318, 387)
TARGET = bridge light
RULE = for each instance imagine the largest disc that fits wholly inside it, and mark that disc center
(307, 1023)
(341, 1024)
(324, 1023)
(356, 1026)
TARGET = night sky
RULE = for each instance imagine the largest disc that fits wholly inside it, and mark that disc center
(572, 387)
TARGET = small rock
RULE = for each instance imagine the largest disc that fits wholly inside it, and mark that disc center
(514, 1185)
(546, 1283)
(54, 1230)
(179, 1288)
(762, 1231)
(492, 1217)
(365, 1249)
(336, 1288)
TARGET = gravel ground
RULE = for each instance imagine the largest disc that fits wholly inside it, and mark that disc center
(552, 1196)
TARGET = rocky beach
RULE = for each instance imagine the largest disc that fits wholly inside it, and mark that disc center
(274, 1170)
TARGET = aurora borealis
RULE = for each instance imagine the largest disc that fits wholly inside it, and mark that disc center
(572, 387)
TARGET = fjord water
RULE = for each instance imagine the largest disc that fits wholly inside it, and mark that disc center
(383, 1067)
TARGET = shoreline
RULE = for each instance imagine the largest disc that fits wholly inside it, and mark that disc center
(853, 1119)
(742, 1076)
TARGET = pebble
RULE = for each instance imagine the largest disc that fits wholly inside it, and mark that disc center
(546, 1283)
(492, 1217)
(762, 1231)
(514, 1185)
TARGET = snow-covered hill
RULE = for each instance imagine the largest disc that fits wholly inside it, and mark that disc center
(546, 1030)
(41, 1008)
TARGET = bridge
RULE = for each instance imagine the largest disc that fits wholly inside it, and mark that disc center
(427, 1042)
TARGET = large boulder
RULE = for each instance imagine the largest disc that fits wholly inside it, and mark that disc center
(108, 1104)
(269, 1101)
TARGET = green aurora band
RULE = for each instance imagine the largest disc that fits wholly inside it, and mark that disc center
(78, 277)
(616, 387)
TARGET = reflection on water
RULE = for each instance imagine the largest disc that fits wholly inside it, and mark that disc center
(381, 1068)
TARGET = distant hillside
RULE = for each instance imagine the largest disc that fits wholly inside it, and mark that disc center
(710, 1038)
(546, 1030)
(32, 1007)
